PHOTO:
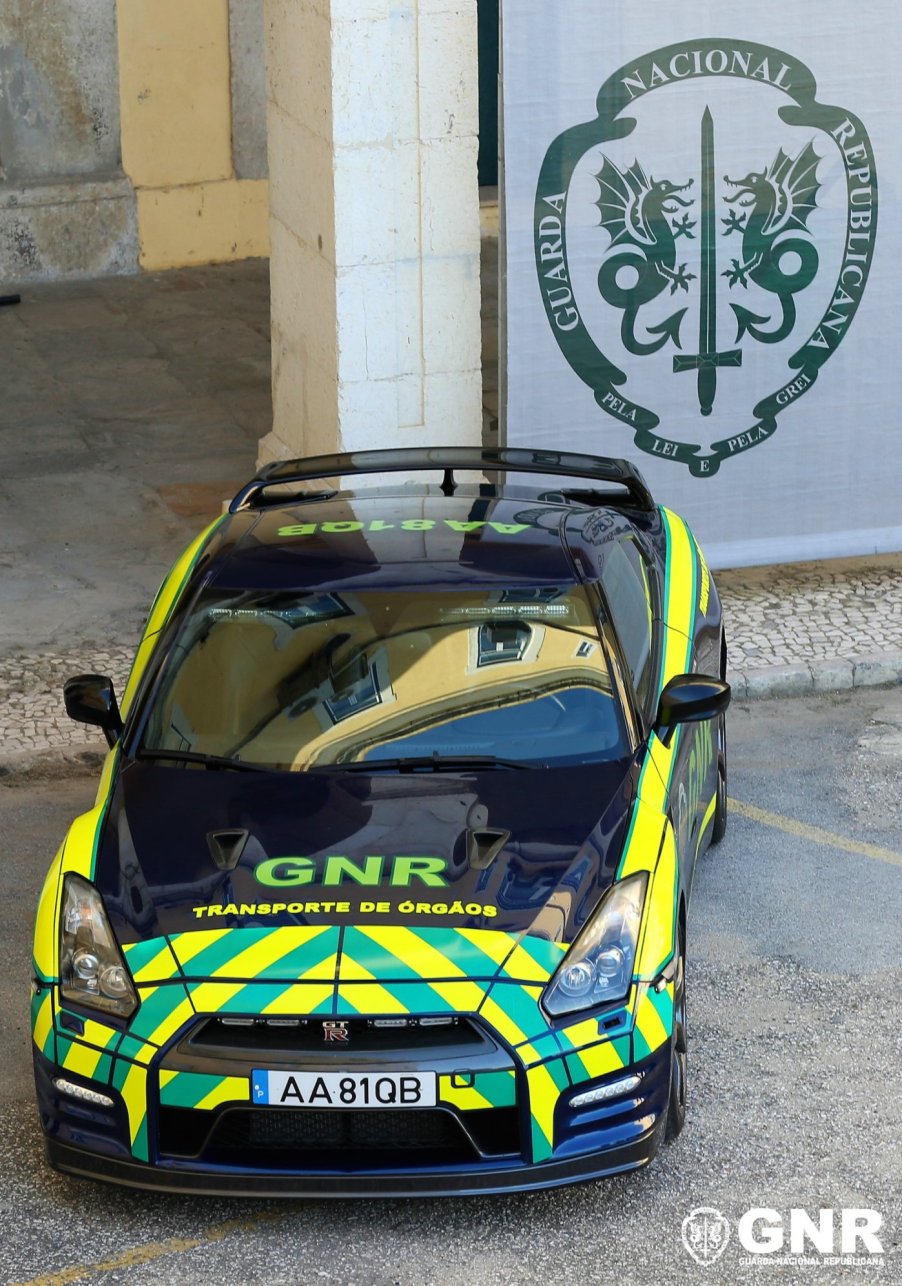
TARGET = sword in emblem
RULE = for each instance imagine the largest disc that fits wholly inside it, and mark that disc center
(707, 359)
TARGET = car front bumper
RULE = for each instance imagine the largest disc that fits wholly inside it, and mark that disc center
(462, 1182)
(493, 1152)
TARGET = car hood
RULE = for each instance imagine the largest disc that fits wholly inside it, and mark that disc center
(346, 849)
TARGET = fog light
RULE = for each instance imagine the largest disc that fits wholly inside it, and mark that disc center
(604, 1092)
(80, 1092)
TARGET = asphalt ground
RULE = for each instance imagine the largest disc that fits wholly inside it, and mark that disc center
(795, 1015)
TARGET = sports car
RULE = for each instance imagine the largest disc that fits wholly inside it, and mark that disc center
(385, 887)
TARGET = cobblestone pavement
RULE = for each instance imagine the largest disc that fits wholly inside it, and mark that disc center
(810, 626)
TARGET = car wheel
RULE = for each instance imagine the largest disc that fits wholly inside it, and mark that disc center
(676, 1108)
(719, 828)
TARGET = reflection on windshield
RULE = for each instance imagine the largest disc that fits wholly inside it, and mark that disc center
(293, 680)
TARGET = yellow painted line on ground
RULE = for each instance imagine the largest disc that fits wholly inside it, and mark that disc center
(815, 833)
(153, 1250)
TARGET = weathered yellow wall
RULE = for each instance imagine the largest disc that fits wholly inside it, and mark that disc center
(203, 223)
(176, 110)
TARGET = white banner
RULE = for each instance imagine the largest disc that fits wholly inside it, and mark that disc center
(694, 274)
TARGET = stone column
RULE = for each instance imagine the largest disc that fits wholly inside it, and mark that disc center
(372, 117)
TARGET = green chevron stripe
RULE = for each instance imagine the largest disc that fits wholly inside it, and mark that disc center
(416, 997)
(297, 959)
(548, 955)
(129, 1047)
(139, 954)
(187, 1089)
(103, 1069)
(255, 997)
(156, 1007)
(500, 1088)
(664, 1005)
(121, 1069)
(520, 1006)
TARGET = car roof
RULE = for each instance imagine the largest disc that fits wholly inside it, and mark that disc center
(405, 535)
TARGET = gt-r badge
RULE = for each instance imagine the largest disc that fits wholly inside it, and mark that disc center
(336, 1033)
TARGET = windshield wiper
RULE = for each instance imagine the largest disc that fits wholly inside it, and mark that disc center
(426, 763)
(194, 757)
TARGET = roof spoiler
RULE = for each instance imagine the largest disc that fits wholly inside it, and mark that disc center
(568, 464)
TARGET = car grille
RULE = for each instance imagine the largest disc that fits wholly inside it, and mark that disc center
(317, 1131)
(272, 1137)
(236, 1038)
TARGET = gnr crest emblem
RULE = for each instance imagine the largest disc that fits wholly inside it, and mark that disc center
(702, 246)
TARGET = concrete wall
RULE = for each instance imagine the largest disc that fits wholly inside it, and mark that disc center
(132, 132)
(248, 88)
(65, 207)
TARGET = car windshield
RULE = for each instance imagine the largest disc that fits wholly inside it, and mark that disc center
(304, 681)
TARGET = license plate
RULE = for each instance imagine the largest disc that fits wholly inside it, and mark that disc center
(344, 1089)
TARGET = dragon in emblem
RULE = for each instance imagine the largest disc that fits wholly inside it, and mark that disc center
(776, 203)
(641, 216)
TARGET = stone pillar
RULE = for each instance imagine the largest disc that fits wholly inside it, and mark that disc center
(372, 118)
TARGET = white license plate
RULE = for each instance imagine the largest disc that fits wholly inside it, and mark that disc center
(344, 1089)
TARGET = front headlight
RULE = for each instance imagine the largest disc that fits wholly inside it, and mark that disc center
(598, 968)
(92, 971)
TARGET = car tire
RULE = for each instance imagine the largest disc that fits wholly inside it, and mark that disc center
(719, 827)
(676, 1107)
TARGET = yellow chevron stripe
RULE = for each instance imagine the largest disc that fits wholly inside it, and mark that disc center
(210, 997)
(171, 1023)
(660, 900)
(583, 1033)
(134, 1092)
(417, 954)
(649, 1023)
(82, 1060)
(166, 1076)
(322, 969)
(598, 1060)
(230, 1089)
(158, 969)
(497, 946)
(256, 957)
(524, 968)
(467, 1099)
(464, 997)
(709, 813)
(645, 840)
(502, 1022)
(299, 1000)
(353, 971)
(45, 934)
(43, 1021)
(98, 1033)
(187, 945)
(78, 853)
(369, 997)
(543, 1097)
(159, 612)
(679, 610)
(528, 1054)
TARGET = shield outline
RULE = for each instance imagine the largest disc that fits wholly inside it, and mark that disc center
(583, 355)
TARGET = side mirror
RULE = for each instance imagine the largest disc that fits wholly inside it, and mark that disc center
(91, 698)
(690, 698)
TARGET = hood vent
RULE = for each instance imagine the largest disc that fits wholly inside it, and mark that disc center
(226, 847)
(484, 845)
